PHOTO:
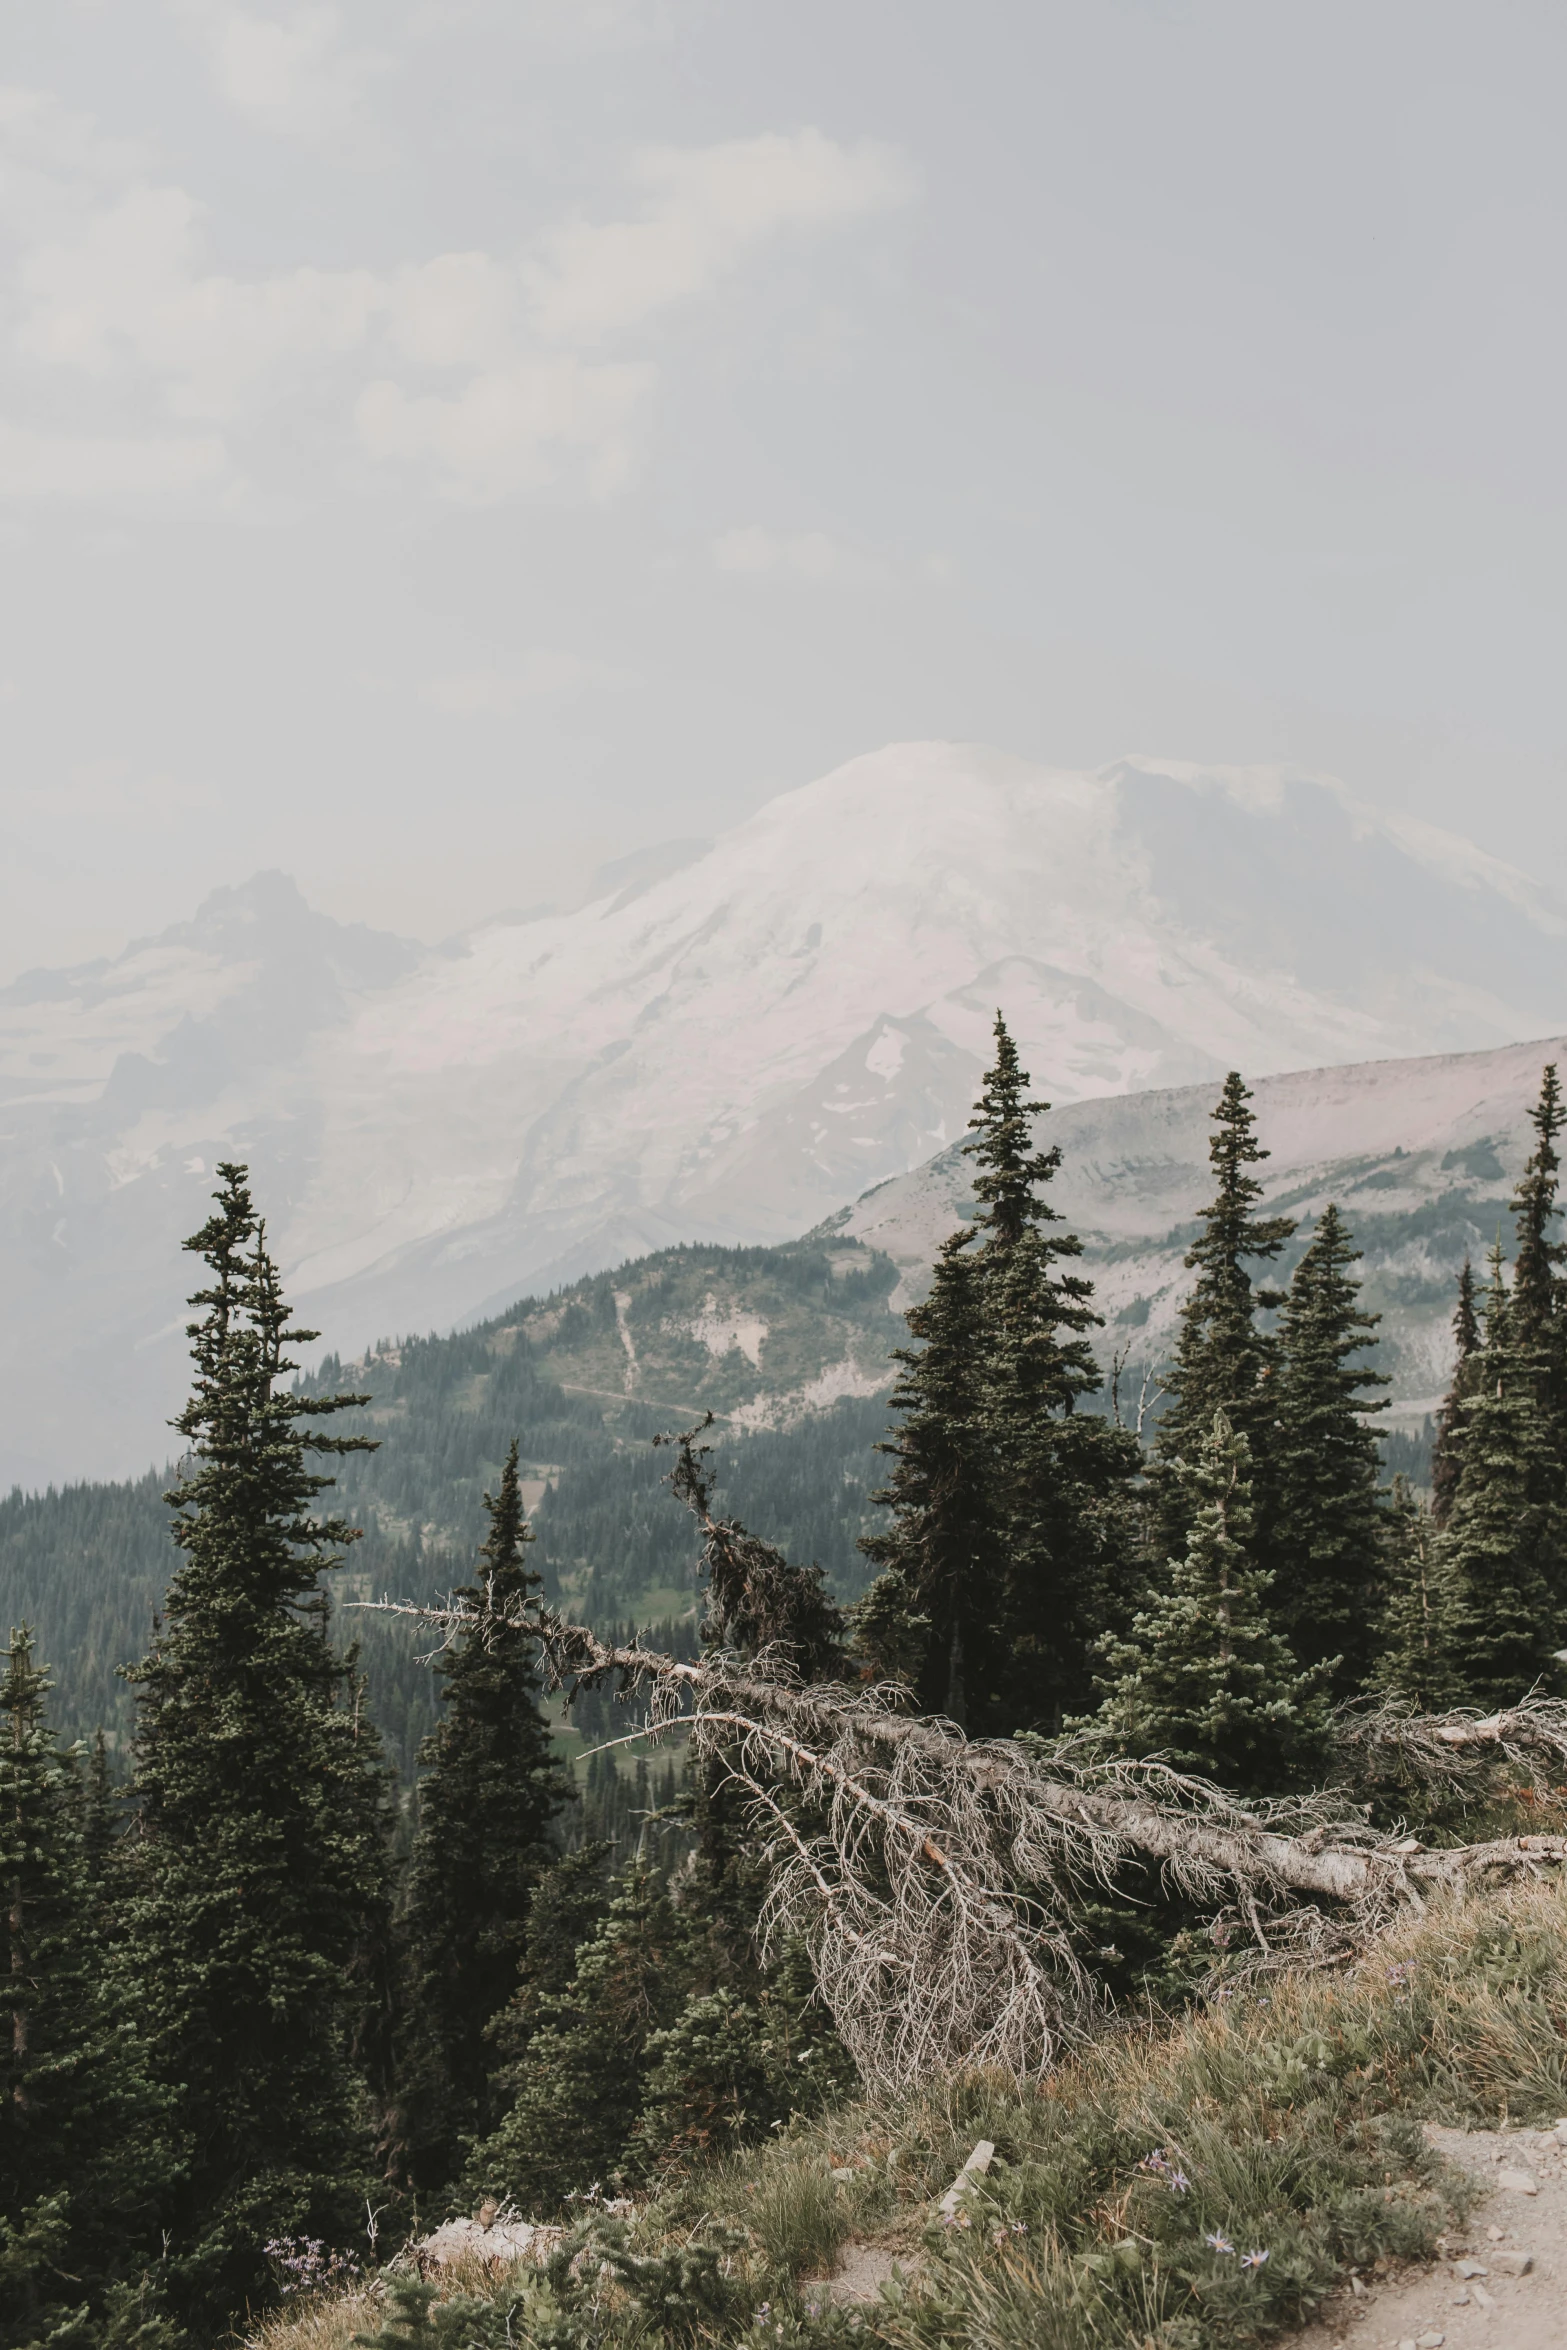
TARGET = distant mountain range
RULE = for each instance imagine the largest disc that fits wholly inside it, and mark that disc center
(729, 1042)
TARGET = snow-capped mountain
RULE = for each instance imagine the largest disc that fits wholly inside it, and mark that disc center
(725, 1045)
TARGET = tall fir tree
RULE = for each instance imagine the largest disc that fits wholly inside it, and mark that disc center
(101, 1819)
(1416, 1635)
(1323, 1536)
(86, 2148)
(1224, 1361)
(258, 1878)
(1537, 1325)
(1056, 1474)
(1008, 1503)
(1539, 1283)
(1447, 1453)
(491, 1792)
(1499, 1544)
(1202, 1678)
(932, 1614)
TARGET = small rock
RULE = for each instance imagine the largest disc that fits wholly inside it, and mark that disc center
(1357, 2288)
(1408, 2343)
(1460, 2301)
(1429, 2341)
(1496, 2234)
(1470, 2268)
(977, 2164)
(504, 2240)
(1513, 2264)
(1485, 2299)
(1519, 2182)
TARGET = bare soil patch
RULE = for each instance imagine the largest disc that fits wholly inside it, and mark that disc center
(1502, 2283)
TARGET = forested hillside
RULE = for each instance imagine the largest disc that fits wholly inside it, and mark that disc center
(87, 1564)
(583, 1381)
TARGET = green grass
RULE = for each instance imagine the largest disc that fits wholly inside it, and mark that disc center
(1287, 2122)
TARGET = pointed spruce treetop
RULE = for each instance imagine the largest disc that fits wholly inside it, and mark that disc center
(244, 1514)
(1009, 1169)
(1447, 1454)
(1223, 1361)
(1323, 1531)
(1538, 1284)
(1037, 1315)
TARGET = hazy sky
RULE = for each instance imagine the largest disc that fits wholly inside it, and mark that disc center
(444, 443)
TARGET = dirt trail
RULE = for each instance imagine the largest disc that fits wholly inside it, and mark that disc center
(1511, 2230)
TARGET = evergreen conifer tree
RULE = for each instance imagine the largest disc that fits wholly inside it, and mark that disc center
(1203, 1679)
(1447, 1454)
(1416, 1634)
(1054, 1473)
(85, 2147)
(1499, 1545)
(1538, 1307)
(1224, 1362)
(1323, 1545)
(1537, 1327)
(100, 1819)
(491, 1792)
(1006, 1537)
(932, 1615)
(257, 1885)
(578, 2084)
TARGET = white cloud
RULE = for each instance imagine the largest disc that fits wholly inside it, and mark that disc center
(707, 206)
(543, 675)
(503, 432)
(115, 285)
(759, 554)
(456, 311)
(290, 74)
(128, 291)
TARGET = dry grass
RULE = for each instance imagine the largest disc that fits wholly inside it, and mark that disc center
(325, 2321)
(1291, 2113)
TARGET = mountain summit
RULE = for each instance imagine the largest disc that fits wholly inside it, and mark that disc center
(726, 1044)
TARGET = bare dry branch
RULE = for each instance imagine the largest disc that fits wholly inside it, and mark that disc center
(936, 1879)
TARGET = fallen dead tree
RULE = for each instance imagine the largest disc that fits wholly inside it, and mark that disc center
(1388, 1743)
(936, 1879)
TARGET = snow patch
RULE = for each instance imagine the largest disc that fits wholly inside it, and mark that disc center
(885, 1057)
(722, 1329)
(834, 1385)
